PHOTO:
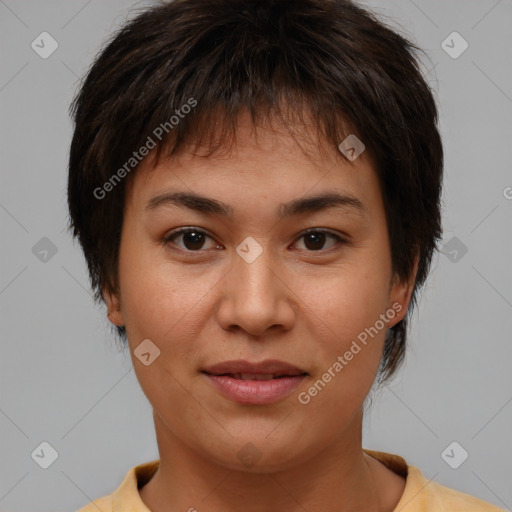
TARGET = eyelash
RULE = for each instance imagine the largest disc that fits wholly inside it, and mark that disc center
(175, 234)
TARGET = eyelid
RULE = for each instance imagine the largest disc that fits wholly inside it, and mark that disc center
(333, 233)
(185, 229)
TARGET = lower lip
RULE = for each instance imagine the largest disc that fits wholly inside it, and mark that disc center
(255, 391)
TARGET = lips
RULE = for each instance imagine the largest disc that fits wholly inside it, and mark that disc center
(255, 383)
(245, 370)
(254, 376)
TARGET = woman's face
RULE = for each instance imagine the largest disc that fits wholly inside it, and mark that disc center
(245, 282)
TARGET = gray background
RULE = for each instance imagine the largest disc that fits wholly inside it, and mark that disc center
(63, 380)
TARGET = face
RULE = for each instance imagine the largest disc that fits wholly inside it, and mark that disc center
(267, 254)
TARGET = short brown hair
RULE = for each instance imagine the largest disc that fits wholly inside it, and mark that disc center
(329, 58)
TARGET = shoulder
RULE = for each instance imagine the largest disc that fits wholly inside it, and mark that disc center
(422, 495)
(104, 504)
(126, 496)
(439, 497)
(434, 496)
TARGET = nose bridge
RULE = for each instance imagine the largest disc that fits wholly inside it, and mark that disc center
(253, 275)
(255, 299)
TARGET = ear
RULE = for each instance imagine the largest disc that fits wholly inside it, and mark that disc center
(113, 307)
(401, 291)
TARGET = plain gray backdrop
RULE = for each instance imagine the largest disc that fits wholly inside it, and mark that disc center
(63, 381)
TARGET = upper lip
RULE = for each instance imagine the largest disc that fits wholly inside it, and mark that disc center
(263, 367)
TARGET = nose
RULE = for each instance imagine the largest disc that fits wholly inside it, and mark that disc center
(256, 297)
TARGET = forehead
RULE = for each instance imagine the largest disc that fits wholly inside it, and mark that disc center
(273, 159)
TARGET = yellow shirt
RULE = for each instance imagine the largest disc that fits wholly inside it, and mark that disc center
(419, 495)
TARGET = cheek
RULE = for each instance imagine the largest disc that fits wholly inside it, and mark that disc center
(350, 299)
(345, 311)
(158, 297)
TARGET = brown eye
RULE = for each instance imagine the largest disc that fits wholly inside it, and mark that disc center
(191, 239)
(315, 240)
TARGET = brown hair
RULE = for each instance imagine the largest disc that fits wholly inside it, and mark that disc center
(328, 58)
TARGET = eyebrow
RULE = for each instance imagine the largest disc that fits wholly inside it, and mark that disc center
(308, 204)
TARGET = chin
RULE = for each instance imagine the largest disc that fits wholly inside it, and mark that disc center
(257, 453)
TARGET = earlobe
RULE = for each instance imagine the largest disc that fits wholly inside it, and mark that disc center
(401, 294)
(113, 307)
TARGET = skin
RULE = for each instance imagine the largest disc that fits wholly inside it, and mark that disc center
(293, 303)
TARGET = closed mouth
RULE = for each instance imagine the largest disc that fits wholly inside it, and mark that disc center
(246, 370)
(256, 376)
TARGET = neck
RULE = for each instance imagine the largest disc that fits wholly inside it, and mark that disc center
(339, 478)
